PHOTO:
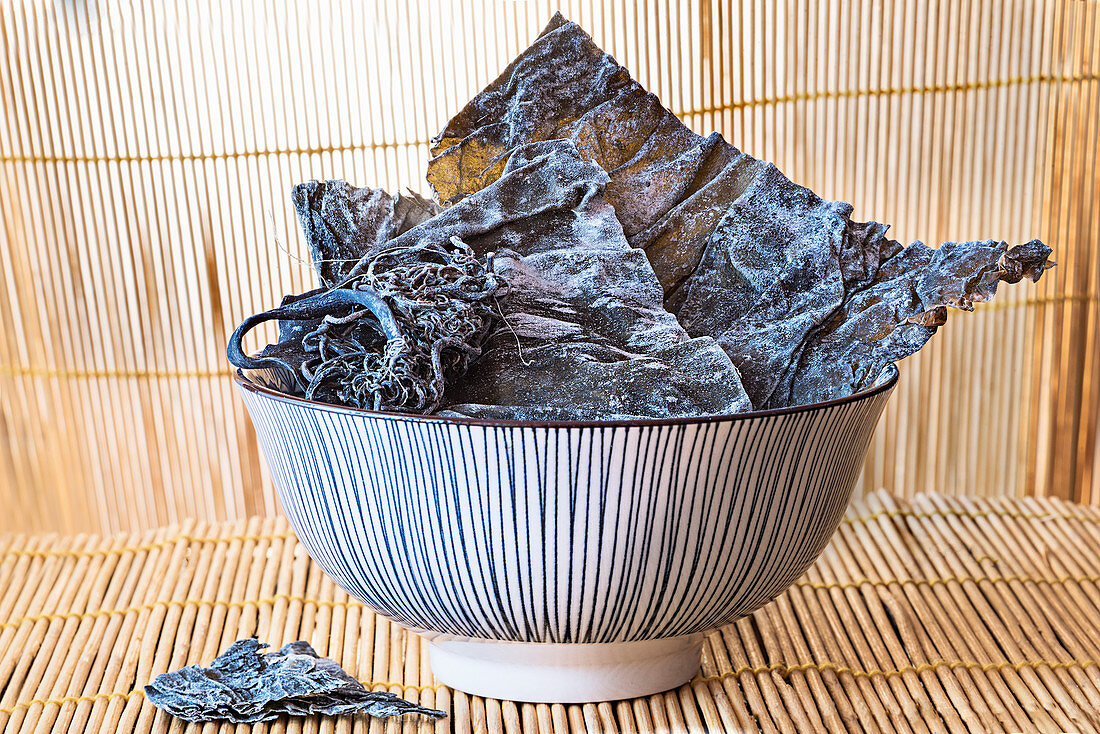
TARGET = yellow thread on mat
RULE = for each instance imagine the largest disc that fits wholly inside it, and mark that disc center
(946, 580)
(195, 157)
(1038, 301)
(404, 686)
(825, 94)
(139, 692)
(183, 603)
(160, 544)
(67, 699)
(786, 669)
(781, 668)
(65, 374)
(764, 102)
(1014, 514)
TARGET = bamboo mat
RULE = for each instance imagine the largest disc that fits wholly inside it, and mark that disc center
(933, 614)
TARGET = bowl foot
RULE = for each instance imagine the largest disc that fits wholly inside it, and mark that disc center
(564, 673)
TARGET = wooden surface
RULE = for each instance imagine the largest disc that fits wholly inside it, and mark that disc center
(930, 615)
(147, 150)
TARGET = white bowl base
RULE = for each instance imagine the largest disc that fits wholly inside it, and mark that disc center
(563, 673)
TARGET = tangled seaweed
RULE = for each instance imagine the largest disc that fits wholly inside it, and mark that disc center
(407, 319)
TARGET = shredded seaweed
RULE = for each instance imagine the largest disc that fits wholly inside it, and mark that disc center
(389, 337)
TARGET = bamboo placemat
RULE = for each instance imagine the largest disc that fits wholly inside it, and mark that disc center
(935, 614)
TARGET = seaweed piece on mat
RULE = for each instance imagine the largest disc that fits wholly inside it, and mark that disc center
(247, 686)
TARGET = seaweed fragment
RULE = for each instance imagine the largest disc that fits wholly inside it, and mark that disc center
(669, 186)
(812, 306)
(247, 686)
(785, 281)
(342, 223)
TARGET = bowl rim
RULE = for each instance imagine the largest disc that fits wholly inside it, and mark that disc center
(881, 386)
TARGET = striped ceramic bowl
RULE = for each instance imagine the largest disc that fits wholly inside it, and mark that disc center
(564, 561)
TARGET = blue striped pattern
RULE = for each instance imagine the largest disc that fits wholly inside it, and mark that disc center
(564, 533)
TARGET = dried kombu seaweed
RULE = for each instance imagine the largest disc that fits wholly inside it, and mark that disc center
(669, 186)
(388, 336)
(584, 332)
(752, 292)
(246, 686)
(851, 322)
(896, 314)
(807, 303)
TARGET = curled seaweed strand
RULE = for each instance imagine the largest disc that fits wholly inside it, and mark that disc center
(391, 334)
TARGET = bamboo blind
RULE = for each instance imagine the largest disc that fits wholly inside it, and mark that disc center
(148, 149)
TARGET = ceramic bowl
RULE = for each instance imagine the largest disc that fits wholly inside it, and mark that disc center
(558, 561)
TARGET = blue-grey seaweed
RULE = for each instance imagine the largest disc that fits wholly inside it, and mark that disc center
(808, 303)
(342, 222)
(246, 686)
(753, 292)
(386, 337)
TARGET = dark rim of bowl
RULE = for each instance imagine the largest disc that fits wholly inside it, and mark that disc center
(890, 370)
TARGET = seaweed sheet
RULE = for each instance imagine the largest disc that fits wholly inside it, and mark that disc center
(583, 334)
(808, 303)
(246, 686)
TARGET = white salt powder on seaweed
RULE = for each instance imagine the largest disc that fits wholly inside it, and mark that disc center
(585, 334)
(581, 329)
